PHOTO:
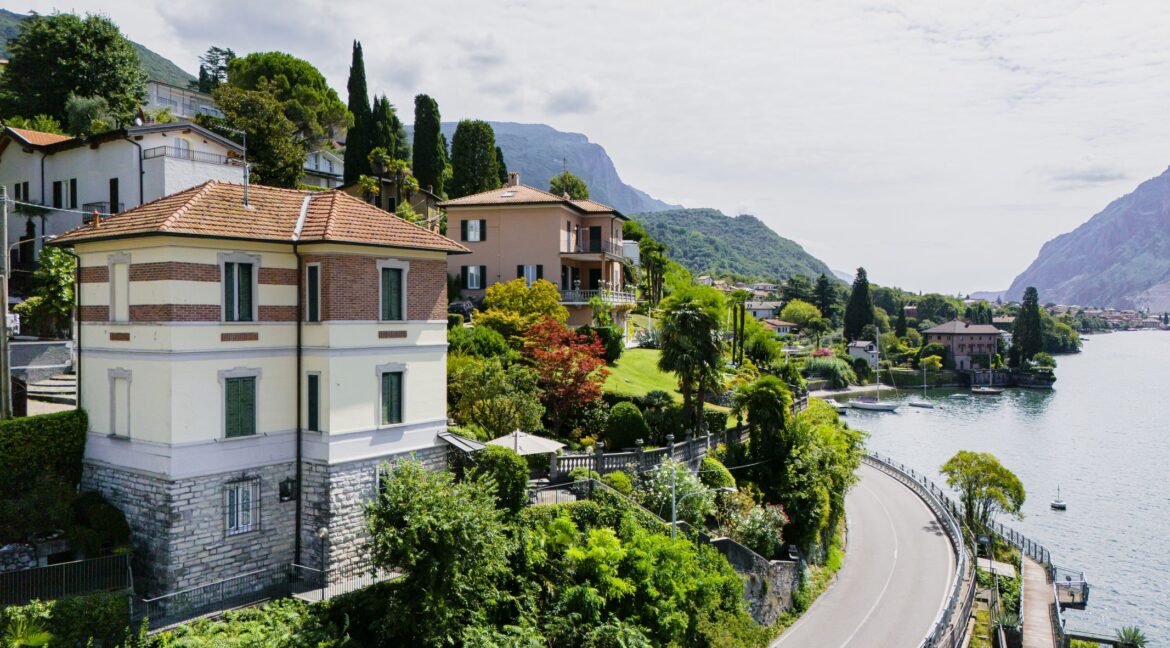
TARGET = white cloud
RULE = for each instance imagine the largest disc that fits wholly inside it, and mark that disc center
(935, 143)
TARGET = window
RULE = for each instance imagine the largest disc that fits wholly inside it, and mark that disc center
(73, 193)
(58, 199)
(239, 406)
(313, 290)
(530, 273)
(392, 294)
(391, 397)
(240, 502)
(237, 291)
(314, 402)
(474, 230)
(473, 277)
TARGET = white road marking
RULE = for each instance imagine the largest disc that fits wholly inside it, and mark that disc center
(893, 567)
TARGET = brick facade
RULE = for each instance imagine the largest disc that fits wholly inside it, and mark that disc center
(174, 312)
(173, 271)
(93, 274)
(349, 288)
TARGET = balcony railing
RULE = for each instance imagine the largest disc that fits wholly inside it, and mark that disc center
(611, 247)
(606, 296)
(103, 208)
(187, 154)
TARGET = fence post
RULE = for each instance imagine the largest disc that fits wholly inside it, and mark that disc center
(670, 446)
(598, 455)
(552, 466)
(640, 452)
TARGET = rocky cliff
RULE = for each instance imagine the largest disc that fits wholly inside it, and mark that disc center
(539, 152)
(1120, 258)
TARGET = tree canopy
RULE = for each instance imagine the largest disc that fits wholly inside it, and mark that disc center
(512, 307)
(799, 313)
(63, 54)
(359, 137)
(476, 168)
(985, 487)
(277, 159)
(430, 155)
(307, 100)
(567, 183)
(859, 311)
(1028, 329)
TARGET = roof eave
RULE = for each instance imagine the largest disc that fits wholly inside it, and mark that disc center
(65, 242)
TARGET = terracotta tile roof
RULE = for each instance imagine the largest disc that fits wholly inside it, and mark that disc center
(522, 194)
(216, 209)
(37, 138)
(955, 327)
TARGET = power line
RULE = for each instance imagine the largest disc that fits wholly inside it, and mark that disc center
(59, 209)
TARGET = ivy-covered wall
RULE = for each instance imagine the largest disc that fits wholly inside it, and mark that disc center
(36, 445)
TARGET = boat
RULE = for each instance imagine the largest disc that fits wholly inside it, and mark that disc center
(875, 404)
(986, 391)
(924, 403)
(1058, 503)
(841, 407)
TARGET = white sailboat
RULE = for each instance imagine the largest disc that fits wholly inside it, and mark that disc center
(875, 404)
(925, 404)
(1058, 503)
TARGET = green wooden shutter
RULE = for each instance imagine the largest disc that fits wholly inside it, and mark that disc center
(540, 271)
(483, 277)
(247, 406)
(463, 277)
(391, 294)
(519, 272)
(231, 401)
(482, 229)
(229, 292)
(462, 230)
(244, 288)
(395, 397)
(385, 398)
(314, 398)
(314, 281)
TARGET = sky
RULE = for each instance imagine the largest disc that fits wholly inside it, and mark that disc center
(937, 143)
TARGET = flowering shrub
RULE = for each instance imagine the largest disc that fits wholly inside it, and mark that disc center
(823, 353)
(694, 501)
(761, 530)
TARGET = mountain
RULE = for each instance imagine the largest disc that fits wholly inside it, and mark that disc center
(707, 241)
(539, 152)
(157, 68)
(1120, 258)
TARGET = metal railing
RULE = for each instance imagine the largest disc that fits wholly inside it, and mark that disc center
(187, 154)
(205, 600)
(105, 208)
(950, 628)
(604, 246)
(606, 296)
(105, 574)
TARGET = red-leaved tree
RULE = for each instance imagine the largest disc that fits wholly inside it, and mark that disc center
(570, 366)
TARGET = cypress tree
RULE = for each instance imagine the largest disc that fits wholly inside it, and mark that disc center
(358, 140)
(473, 159)
(383, 132)
(1028, 330)
(859, 310)
(825, 297)
(429, 154)
(503, 166)
(900, 326)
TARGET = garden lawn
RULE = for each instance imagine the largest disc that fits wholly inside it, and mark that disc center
(636, 373)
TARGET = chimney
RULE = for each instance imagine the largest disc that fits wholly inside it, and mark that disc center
(247, 172)
(97, 219)
(513, 179)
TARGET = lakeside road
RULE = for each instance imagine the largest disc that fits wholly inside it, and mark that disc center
(898, 568)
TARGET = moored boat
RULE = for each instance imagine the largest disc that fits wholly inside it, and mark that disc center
(986, 391)
(1058, 503)
(873, 405)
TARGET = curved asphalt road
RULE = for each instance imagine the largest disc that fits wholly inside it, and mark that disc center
(896, 577)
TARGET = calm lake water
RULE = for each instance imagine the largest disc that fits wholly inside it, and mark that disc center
(1103, 436)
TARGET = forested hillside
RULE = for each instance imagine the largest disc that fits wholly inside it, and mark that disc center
(707, 241)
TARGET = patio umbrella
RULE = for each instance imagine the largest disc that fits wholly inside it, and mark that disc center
(524, 443)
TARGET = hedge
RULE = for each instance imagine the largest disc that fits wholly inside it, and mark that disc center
(35, 445)
(100, 620)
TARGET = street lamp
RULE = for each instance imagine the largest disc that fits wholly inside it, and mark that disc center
(323, 537)
(675, 501)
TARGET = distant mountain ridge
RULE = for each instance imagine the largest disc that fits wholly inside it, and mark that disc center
(708, 241)
(156, 66)
(539, 152)
(1119, 258)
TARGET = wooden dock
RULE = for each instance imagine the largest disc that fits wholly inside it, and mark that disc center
(1038, 603)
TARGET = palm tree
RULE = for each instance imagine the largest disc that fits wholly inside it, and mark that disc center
(1131, 637)
(24, 632)
(766, 402)
(691, 348)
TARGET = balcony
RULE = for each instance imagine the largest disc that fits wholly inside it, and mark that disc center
(608, 297)
(187, 154)
(592, 249)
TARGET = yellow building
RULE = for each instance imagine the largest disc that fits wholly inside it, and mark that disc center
(520, 231)
(248, 358)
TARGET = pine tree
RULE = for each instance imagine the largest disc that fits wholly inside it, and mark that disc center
(503, 166)
(1028, 330)
(473, 159)
(429, 153)
(358, 141)
(859, 310)
(825, 296)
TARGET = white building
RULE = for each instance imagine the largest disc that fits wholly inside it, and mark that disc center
(183, 103)
(762, 309)
(248, 368)
(107, 173)
(324, 168)
(864, 349)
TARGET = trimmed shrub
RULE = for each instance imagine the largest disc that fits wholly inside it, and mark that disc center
(861, 367)
(481, 342)
(835, 370)
(618, 481)
(52, 444)
(454, 321)
(716, 420)
(714, 474)
(625, 426)
(611, 338)
(507, 472)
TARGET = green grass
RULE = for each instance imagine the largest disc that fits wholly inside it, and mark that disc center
(636, 373)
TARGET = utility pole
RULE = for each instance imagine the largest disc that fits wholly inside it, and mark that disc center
(5, 360)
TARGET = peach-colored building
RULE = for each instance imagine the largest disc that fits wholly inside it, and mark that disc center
(964, 340)
(520, 231)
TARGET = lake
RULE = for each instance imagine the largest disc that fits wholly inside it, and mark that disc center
(1103, 436)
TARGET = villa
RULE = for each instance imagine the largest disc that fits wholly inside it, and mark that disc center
(966, 342)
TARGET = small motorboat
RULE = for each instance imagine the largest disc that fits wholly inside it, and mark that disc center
(986, 391)
(873, 405)
(1058, 503)
(841, 407)
(922, 404)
